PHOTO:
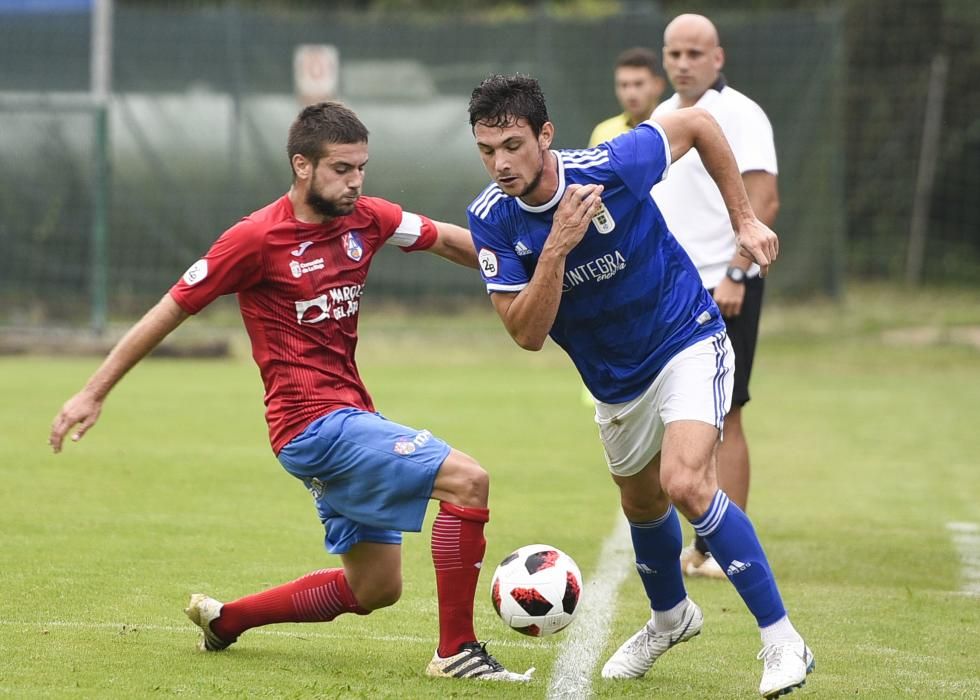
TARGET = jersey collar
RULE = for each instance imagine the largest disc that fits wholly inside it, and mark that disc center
(712, 93)
(709, 95)
(558, 193)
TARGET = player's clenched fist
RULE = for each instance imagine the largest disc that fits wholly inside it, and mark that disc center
(758, 242)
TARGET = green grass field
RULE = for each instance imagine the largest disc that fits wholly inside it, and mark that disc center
(865, 446)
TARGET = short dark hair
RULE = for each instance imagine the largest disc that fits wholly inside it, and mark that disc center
(639, 57)
(323, 123)
(501, 100)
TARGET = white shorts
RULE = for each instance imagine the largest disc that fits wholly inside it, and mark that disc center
(696, 384)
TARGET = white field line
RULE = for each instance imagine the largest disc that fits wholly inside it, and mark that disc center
(966, 539)
(587, 637)
(346, 635)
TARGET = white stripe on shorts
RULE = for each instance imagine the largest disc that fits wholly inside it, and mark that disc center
(718, 341)
(694, 385)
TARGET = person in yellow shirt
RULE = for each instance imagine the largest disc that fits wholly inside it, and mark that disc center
(639, 86)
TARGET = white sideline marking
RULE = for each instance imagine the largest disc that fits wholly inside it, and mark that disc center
(572, 674)
(966, 538)
(347, 635)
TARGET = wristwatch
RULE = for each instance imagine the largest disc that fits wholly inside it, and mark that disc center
(735, 274)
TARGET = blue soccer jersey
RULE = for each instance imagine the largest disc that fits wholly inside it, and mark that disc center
(631, 298)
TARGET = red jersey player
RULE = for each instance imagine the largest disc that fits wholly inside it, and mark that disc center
(299, 266)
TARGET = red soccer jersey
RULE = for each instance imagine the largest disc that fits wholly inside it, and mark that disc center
(299, 287)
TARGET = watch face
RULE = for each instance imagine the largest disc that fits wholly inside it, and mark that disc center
(736, 274)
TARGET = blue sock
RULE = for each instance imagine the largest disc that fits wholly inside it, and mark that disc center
(657, 545)
(735, 546)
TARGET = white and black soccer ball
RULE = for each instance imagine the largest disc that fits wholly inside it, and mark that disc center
(536, 590)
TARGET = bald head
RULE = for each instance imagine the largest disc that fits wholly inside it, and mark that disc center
(693, 57)
(692, 26)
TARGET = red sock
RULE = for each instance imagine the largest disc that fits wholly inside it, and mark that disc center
(458, 546)
(317, 597)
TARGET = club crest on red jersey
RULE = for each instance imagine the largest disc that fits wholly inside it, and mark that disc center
(352, 244)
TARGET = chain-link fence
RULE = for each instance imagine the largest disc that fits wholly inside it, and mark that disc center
(202, 99)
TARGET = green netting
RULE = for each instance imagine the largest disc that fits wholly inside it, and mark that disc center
(202, 99)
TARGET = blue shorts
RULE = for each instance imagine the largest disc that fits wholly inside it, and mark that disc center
(371, 478)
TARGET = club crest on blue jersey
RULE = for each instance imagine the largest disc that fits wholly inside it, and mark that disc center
(604, 221)
(352, 244)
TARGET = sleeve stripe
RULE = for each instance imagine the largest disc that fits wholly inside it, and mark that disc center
(663, 138)
(573, 156)
(483, 209)
(585, 159)
(590, 164)
(488, 191)
(495, 287)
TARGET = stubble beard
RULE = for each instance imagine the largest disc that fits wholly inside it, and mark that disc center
(328, 208)
(535, 181)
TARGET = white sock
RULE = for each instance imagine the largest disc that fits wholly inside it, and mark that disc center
(780, 632)
(666, 620)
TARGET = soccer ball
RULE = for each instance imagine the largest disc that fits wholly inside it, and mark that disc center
(536, 590)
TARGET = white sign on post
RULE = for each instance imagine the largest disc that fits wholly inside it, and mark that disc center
(316, 68)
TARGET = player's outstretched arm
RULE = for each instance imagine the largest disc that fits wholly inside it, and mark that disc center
(455, 244)
(83, 408)
(530, 314)
(696, 128)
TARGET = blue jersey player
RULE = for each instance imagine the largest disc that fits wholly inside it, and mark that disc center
(572, 246)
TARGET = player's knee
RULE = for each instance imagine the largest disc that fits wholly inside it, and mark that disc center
(472, 485)
(380, 595)
(689, 491)
(643, 507)
(476, 487)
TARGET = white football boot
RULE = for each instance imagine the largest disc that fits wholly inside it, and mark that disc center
(202, 611)
(691, 559)
(694, 563)
(784, 667)
(637, 654)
